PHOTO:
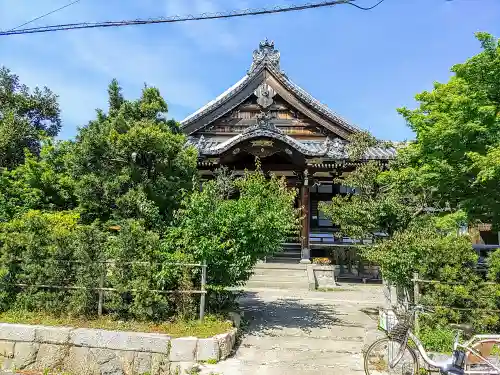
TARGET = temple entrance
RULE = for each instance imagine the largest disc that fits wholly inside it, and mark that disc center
(266, 115)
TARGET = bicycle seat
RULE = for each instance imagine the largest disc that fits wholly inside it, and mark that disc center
(465, 328)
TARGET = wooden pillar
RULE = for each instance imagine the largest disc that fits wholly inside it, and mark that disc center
(304, 200)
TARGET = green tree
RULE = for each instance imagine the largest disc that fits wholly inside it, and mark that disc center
(40, 183)
(452, 165)
(376, 203)
(129, 163)
(457, 128)
(444, 179)
(232, 223)
(374, 206)
(25, 117)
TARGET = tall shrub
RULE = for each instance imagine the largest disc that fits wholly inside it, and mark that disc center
(232, 223)
(36, 250)
(136, 257)
(458, 293)
(131, 163)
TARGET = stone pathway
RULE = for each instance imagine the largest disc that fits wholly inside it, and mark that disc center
(298, 332)
(307, 333)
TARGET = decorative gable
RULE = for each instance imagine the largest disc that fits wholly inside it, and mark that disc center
(266, 85)
(287, 118)
(266, 114)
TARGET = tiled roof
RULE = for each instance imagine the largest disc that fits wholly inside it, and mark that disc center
(310, 148)
(216, 102)
(373, 153)
(268, 57)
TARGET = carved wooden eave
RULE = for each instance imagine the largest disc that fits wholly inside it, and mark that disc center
(265, 69)
(328, 150)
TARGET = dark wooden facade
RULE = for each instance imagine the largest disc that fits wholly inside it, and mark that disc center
(266, 115)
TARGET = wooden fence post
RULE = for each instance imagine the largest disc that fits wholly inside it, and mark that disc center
(416, 299)
(102, 278)
(203, 291)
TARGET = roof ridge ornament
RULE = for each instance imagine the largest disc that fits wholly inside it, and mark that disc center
(334, 148)
(264, 122)
(201, 142)
(265, 95)
(267, 54)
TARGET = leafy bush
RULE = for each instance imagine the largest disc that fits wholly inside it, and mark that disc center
(459, 293)
(41, 183)
(437, 339)
(421, 248)
(37, 249)
(233, 234)
(494, 266)
(41, 253)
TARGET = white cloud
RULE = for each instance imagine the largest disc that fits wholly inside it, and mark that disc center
(176, 58)
(78, 65)
(121, 55)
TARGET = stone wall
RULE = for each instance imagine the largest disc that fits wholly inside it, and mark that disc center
(368, 271)
(82, 351)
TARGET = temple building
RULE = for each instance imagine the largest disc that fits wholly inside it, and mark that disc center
(266, 115)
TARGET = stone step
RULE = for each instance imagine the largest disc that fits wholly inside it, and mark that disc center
(273, 277)
(266, 280)
(279, 274)
(278, 265)
(294, 285)
(288, 253)
(283, 259)
(288, 249)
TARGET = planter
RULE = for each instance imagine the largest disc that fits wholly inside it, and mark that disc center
(321, 276)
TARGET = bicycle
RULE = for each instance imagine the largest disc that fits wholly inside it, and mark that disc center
(475, 356)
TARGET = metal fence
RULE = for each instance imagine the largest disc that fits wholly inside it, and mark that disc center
(101, 289)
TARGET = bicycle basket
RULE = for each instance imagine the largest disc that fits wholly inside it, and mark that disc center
(397, 326)
(387, 319)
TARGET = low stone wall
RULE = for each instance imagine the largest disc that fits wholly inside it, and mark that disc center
(368, 271)
(82, 351)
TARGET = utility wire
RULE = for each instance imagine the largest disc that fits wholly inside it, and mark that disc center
(368, 8)
(176, 19)
(45, 15)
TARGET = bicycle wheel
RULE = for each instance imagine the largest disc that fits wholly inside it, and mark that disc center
(379, 355)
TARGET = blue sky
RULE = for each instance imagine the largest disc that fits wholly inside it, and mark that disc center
(361, 64)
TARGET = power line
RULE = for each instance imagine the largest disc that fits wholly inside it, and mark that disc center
(45, 15)
(176, 19)
(368, 8)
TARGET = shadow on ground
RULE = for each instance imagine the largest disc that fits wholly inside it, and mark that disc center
(264, 317)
